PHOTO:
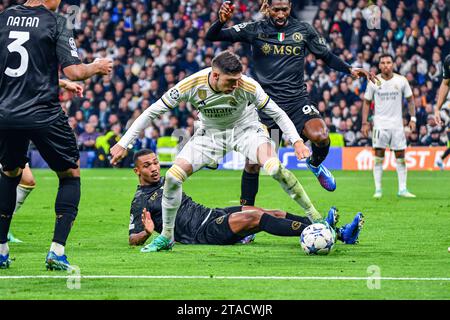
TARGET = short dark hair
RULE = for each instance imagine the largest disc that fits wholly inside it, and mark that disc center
(386, 55)
(141, 153)
(227, 62)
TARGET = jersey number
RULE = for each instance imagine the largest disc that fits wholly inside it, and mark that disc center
(16, 46)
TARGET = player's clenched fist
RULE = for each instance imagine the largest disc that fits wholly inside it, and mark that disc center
(226, 11)
(104, 65)
(118, 153)
(301, 151)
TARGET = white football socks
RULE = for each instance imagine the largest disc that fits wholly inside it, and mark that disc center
(171, 199)
(292, 187)
(4, 249)
(378, 172)
(401, 174)
(22, 193)
(57, 248)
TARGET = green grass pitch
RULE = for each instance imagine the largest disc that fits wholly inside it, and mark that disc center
(406, 240)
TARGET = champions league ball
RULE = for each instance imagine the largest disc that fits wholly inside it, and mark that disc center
(317, 238)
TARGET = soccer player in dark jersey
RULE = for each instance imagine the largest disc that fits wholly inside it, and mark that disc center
(197, 224)
(36, 42)
(442, 96)
(279, 44)
(27, 183)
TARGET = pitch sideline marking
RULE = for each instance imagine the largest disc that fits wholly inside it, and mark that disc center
(220, 277)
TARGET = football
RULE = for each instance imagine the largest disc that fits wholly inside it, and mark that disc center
(317, 238)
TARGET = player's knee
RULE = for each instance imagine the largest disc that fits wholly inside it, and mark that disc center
(320, 137)
(175, 177)
(272, 166)
(28, 182)
(252, 168)
(251, 219)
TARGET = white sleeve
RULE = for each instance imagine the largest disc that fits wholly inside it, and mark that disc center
(142, 122)
(407, 92)
(368, 95)
(282, 120)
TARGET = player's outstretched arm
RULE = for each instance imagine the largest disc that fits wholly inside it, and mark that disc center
(78, 72)
(241, 32)
(119, 150)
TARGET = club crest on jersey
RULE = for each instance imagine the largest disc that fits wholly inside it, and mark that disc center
(281, 36)
(202, 94)
(154, 196)
(297, 37)
(174, 94)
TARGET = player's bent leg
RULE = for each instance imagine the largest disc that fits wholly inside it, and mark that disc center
(287, 180)
(66, 210)
(171, 201)
(317, 132)
(249, 183)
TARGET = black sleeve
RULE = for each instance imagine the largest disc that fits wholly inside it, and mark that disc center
(136, 225)
(446, 68)
(317, 45)
(66, 48)
(243, 32)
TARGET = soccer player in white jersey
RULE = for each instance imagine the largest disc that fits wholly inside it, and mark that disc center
(229, 121)
(388, 130)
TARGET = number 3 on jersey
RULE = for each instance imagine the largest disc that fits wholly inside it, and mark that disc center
(16, 46)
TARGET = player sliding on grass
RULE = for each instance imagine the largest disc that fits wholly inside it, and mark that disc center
(279, 45)
(226, 100)
(196, 224)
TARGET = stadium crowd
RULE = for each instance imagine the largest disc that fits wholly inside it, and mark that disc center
(156, 43)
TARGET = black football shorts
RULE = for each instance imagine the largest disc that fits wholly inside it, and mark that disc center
(56, 143)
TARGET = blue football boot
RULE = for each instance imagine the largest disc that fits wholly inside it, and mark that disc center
(349, 233)
(55, 262)
(5, 261)
(332, 217)
(324, 176)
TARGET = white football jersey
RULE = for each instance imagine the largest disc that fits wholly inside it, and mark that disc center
(388, 98)
(217, 109)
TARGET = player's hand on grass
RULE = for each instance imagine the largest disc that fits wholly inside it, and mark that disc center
(226, 11)
(359, 72)
(147, 221)
(301, 151)
(118, 153)
(104, 65)
(365, 129)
